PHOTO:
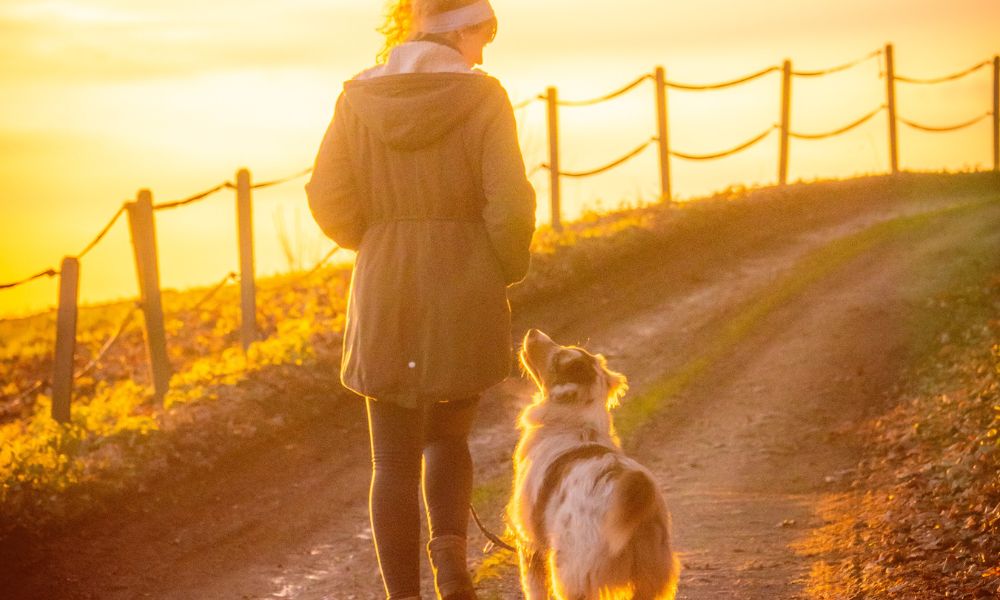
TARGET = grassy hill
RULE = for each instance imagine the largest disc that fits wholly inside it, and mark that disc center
(221, 398)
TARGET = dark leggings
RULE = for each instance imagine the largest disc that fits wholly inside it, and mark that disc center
(399, 437)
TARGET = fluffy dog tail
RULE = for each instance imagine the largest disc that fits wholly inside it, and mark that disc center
(633, 501)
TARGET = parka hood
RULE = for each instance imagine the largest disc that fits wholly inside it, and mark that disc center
(419, 95)
(408, 111)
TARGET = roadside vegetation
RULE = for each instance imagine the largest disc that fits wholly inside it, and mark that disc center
(923, 519)
(221, 399)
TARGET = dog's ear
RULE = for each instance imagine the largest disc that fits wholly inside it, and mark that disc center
(617, 384)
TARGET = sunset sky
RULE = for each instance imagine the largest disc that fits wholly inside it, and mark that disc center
(100, 98)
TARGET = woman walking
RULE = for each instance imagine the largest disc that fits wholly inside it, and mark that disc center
(421, 173)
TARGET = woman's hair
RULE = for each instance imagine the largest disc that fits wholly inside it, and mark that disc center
(401, 17)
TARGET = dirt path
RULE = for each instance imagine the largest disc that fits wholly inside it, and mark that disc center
(746, 448)
(753, 449)
(749, 450)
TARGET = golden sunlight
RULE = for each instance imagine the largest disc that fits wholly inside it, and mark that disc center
(274, 277)
(105, 97)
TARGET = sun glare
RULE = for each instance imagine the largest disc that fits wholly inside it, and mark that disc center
(103, 98)
(67, 11)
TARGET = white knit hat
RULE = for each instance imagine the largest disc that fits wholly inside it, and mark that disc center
(460, 18)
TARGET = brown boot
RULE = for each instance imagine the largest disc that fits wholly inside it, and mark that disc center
(451, 575)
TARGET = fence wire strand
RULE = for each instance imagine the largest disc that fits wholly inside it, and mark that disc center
(275, 182)
(838, 68)
(103, 233)
(105, 348)
(318, 265)
(50, 272)
(725, 84)
(161, 206)
(108, 344)
(611, 165)
(192, 199)
(232, 276)
(845, 129)
(948, 128)
(31, 390)
(229, 185)
(951, 77)
(45, 273)
(606, 97)
(528, 102)
(742, 146)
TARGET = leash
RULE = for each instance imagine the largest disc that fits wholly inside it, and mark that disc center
(494, 539)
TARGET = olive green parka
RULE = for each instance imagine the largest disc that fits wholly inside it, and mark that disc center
(420, 171)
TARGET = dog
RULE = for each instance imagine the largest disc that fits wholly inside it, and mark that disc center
(590, 522)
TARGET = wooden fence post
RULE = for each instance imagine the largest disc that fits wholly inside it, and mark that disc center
(62, 372)
(662, 134)
(143, 229)
(552, 98)
(786, 110)
(244, 225)
(996, 113)
(890, 82)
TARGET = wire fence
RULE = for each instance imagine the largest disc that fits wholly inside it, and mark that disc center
(629, 156)
(945, 78)
(141, 224)
(620, 92)
(141, 211)
(835, 132)
(932, 128)
(848, 65)
(111, 341)
(46, 273)
(691, 87)
(192, 199)
(783, 127)
(53, 272)
(747, 144)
